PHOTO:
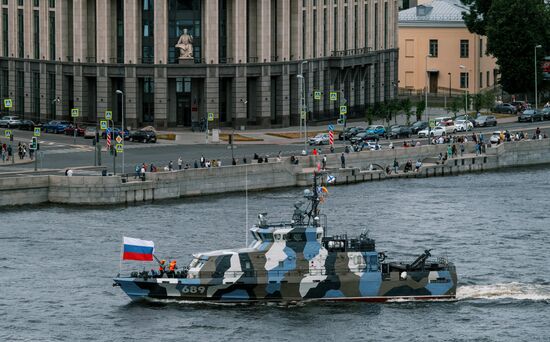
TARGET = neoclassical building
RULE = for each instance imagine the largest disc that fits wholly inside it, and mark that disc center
(246, 56)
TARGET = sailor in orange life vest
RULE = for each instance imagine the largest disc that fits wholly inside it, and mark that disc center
(172, 267)
(162, 267)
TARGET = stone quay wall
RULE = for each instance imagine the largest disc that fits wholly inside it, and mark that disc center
(103, 190)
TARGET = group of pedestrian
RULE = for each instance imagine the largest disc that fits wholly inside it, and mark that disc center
(7, 153)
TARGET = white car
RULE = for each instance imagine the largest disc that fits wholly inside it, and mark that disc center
(372, 145)
(448, 125)
(437, 131)
(10, 121)
(463, 125)
(495, 138)
(319, 139)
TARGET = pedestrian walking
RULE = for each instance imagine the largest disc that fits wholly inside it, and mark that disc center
(324, 162)
(343, 160)
(462, 149)
(180, 163)
(395, 166)
(170, 166)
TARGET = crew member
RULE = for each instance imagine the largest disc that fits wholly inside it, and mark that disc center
(172, 268)
(162, 267)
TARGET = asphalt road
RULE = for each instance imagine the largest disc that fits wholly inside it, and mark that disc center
(59, 152)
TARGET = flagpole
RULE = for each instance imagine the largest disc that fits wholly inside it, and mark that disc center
(120, 260)
(246, 204)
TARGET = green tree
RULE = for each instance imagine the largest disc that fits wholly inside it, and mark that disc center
(454, 106)
(513, 29)
(420, 108)
(370, 115)
(478, 102)
(406, 107)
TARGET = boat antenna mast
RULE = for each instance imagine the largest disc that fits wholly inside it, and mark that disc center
(313, 197)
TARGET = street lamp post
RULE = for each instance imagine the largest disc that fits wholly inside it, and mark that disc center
(536, 90)
(302, 90)
(449, 85)
(120, 92)
(465, 89)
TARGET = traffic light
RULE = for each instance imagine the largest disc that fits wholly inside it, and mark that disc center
(34, 143)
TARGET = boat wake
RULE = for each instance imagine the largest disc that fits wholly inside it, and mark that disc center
(514, 291)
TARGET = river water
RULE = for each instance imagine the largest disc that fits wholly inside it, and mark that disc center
(57, 263)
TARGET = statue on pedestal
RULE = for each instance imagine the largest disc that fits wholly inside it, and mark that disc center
(185, 45)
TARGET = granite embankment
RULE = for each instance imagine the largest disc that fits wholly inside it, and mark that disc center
(98, 190)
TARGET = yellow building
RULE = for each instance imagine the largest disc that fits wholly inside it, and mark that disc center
(437, 52)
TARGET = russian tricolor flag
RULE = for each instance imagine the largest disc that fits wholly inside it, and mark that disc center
(136, 249)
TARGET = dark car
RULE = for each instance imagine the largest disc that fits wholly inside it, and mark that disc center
(506, 108)
(400, 132)
(418, 126)
(143, 136)
(530, 115)
(79, 130)
(117, 131)
(55, 126)
(486, 120)
(344, 132)
(546, 113)
(28, 125)
(353, 132)
(364, 136)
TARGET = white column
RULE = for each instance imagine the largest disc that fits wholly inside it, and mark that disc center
(283, 30)
(104, 12)
(210, 32)
(264, 31)
(132, 31)
(238, 30)
(161, 32)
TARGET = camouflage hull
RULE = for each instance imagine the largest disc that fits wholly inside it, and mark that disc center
(369, 287)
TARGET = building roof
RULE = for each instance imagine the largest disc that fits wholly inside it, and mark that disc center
(442, 13)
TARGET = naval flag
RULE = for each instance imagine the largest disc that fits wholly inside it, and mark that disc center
(331, 179)
(136, 249)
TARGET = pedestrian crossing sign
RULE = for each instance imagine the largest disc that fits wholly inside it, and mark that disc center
(432, 123)
(37, 131)
(74, 112)
(119, 148)
(8, 103)
(317, 95)
(333, 96)
(303, 115)
(103, 125)
(343, 110)
(210, 116)
(108, 115)
(7, 133)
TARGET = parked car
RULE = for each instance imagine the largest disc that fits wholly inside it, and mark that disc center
(89, 132)
(448, 125)
(344, 132)
(364, 136)
(79, 130)
(117, 131)
(377, 129)
(145, 136)
(466, 117)
(546, 113)
(463, 125)
(352, 132)
(55, 126)
(486, 120)
(441, 119)
(319, 139)
(495, 138)
(10, 121)
(531, 115)
(418, 126)
(437, 131)
(372, 145)
(400, 132)
(28, 125)
(506, 108)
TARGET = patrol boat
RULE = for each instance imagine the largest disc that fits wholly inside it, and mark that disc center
(297, 261)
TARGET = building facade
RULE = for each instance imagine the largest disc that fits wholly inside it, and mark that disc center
(56, 55)
(438, 53)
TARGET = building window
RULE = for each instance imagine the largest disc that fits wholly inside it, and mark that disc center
(480, 47)
(464, 80)
(314, 33)
(19, 2)
(52, 3)
(222, 31)
(20, 34)
(52, 35)
(51, 95)
(355, 36)
(480, 80)
(36, 34)
(148, 99)
(325, 32)
(5, 37)
(335, 27)
(19, 91)
(304, 36)
(488, 78)
(386, 19)
(376, 43)
(346, 29)
(4, 83)
(147, 36)
(120, 31)
(36, 95)
(464, 48)
(433, 47)
(36, 3)
(366, 25)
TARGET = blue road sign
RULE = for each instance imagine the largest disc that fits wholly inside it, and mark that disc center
(330, 127)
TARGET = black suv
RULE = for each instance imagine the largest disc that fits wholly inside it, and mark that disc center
(143, 136)
(400, 132)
